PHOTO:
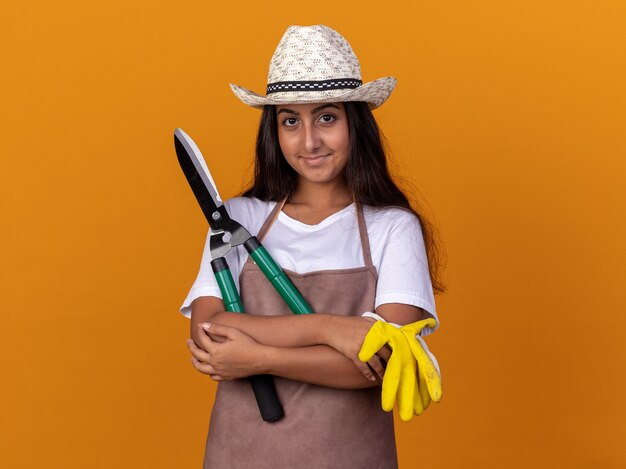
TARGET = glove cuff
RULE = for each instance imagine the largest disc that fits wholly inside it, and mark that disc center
(370, 314)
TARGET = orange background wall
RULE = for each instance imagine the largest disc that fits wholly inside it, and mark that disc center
(509, 120)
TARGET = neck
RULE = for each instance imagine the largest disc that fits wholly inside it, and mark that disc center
(319, 196)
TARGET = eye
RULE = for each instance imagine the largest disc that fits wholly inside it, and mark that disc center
(290, 121)
(327, 118)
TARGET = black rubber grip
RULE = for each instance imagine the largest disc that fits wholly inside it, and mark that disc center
(266, 397)
(251, 244)
(219, 264)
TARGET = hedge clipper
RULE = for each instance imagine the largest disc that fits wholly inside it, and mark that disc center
(220, 223)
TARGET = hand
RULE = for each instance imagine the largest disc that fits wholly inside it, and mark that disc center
(224, 353)
(414, 392)
(400, 376)
(346, 335)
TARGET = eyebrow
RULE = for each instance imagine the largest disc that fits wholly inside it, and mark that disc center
(319, 108)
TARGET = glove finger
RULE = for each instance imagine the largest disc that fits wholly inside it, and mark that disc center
(375, 339)
(391, 379)
(426, 368)
(429, 353)
(432, 378)
(423, 390)
(406, 387)
(416, 327)
(418, 399)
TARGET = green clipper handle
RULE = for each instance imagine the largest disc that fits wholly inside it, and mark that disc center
(279, 280)
(224, 278)
(262, 385)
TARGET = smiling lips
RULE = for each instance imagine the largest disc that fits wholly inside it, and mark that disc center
(316, 160)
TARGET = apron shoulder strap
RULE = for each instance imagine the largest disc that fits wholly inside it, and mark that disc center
(269, 221)
(365, 240)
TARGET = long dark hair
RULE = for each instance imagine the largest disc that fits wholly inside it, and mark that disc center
(366, 174)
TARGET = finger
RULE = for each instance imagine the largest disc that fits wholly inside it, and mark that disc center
(423, 390)
(429, 370)
(406, 387)
(377, 366)
(191, 345)
(390, 383)
(204, 341)
(219, 329)
(418, 398)
(429, 353)
(202, 367)
(426, 367)
(416, 327)
(406, 398)
(197, 352)
(365, 370)
(384, 353)
(373, 342)
(219, 339)
(216, 378)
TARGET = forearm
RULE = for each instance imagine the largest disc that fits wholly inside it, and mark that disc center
(291, 330)
(279, 331)
(318, 364)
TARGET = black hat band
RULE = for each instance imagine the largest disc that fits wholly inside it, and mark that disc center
(336, 84)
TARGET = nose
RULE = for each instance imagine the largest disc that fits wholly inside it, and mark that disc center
(312, 138)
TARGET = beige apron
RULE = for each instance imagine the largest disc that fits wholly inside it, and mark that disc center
(322, 427)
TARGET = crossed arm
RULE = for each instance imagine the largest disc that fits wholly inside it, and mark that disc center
(316, 348)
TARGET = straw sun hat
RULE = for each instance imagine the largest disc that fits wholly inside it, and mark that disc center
(315, 64)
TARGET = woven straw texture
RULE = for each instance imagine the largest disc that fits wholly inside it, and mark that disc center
(311, 54)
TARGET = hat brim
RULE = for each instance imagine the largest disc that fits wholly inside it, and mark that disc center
(374, 93)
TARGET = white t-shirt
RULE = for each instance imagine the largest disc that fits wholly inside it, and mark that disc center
(396, 244)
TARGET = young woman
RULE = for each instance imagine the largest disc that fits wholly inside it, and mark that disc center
(325, 207)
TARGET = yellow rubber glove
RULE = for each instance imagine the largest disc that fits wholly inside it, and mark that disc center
(399, 379)
(419, 403)
(429, 378)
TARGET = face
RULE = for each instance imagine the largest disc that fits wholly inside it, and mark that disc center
(315, 140)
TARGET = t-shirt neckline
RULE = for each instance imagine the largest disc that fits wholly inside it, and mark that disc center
(283, 217)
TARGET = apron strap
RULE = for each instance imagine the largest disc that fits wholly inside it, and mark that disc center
(365, 243)
(365, 240)
(271, 219)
